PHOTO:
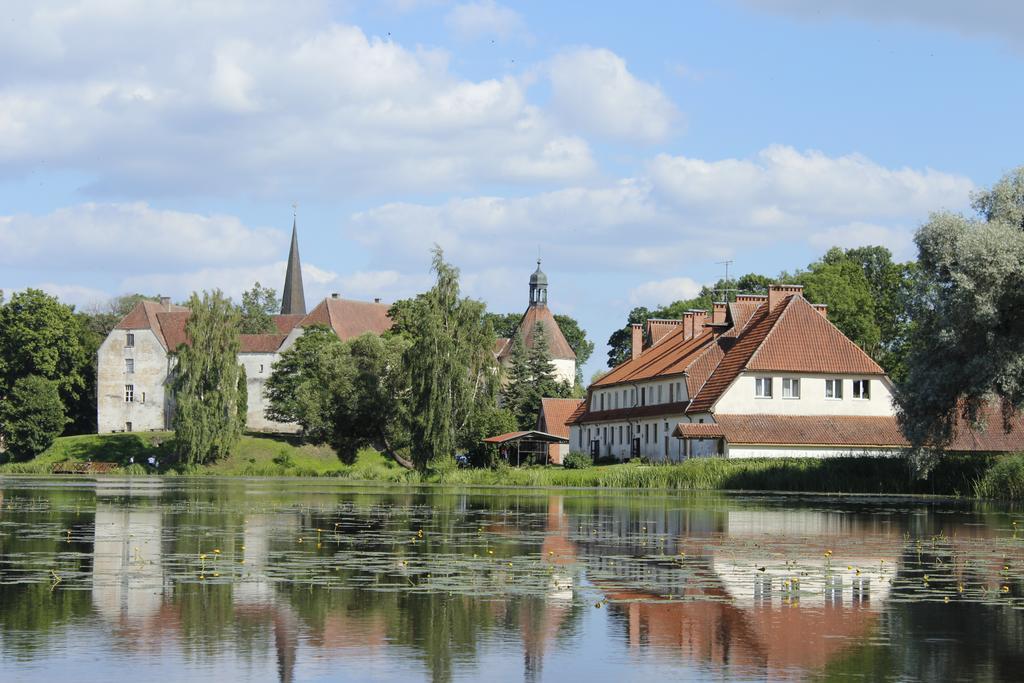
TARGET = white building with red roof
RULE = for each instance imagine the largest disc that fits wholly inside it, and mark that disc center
(136, 360)
(766, 376)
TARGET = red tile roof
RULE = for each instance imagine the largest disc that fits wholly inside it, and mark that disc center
(286, 323)
(803, 340)
(659, 329)
(144, 317)
(993, 438)
(260, 343)
(555, 413)
(699, 430)
(805, 430)
(532, 435)
(677, 408)
(671, 357)
(350, 318)
(558, 347)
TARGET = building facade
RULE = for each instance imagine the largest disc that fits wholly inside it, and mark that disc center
(135, 363)
(537, 312)
(766, 376)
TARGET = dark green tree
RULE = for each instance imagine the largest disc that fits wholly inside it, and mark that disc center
(451, 366)
(259, 305)
(530, 378)
(516, 394)
(840, 282)
(31, 416)
(967, 343)
(40, 336)
(205, 384)
(299, 388)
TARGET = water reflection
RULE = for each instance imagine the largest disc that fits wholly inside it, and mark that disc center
(303, 580)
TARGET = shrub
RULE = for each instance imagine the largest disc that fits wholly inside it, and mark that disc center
(284, 460)
(577, 461)
(1005, 479)
(32, 416)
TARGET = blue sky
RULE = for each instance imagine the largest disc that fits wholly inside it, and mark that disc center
(158, 146)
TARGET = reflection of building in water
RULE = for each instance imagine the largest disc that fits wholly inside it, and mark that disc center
(127, 575)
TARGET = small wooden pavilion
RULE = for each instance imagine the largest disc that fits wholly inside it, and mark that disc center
(532, 444)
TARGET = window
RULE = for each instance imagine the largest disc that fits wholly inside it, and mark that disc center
(660, 387)
(261, 368)
(643, 396)
(602, 401)
(616, 399)
(763, 387)
(834, 389)
(604, 436)
(647, 433)
(129, 339)
(579, 439)
(655, 432)
(127, 426)
(129, 365)
(862, 388)
(129, 393)
(620, 434)
(671, 393)
(790, 387)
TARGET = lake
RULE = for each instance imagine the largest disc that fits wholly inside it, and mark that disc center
(315, 580)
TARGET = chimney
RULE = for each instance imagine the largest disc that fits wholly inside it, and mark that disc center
(688, 325)
(165, 302)
(376, 299)
(700, 316)
(778, 293)
(638, 339)
(718, 314)
(823, 309)
(335, 295)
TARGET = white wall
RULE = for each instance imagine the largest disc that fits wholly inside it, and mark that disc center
(615, 399)
(739, 399)
(804, 452)
(565, 370)
(113, 413)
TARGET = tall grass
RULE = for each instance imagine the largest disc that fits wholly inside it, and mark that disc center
(1004, 480)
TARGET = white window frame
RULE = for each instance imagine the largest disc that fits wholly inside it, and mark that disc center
(129, 393)
(863, 388)
(792, 383)
(759, 385)
(835, 386)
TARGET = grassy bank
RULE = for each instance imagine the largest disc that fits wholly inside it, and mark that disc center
(272, 455)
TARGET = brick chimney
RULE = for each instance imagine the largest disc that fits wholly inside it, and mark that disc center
(823, 309)
(778, 293)
(165, 302)
(718, 313)
(638, 339)
(688, 325)
(700, 316)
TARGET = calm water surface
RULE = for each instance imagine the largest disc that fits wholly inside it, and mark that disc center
(225, 580)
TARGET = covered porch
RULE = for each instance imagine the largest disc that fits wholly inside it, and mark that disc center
(531, 446)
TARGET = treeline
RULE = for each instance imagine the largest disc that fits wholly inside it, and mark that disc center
(948, 327)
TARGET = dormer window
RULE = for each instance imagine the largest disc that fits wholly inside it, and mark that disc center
(862, 389)
(763, 387)
(790, 387)
(129, 340)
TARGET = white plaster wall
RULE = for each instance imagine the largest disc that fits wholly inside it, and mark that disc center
(739, 399)
(258, 368)
(150, 381)
(565, 370)
(615, 399)
(804, 452)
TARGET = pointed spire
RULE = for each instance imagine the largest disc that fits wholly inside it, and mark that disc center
(293, 300)
(538, 287)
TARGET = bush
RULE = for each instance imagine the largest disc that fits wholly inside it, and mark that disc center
(284, 460)
(32, 416)
(577, 461)
(1004, 480)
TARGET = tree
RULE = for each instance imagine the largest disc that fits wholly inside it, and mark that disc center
(505, 324)
(40, 336)
(31, 416)
(578, 342)
(451, 365)
(515, 395)
(259, 305)
(299, 389)
(620, 344)
(205, 384)
(531, 377)
(838, 281)
(967, 343)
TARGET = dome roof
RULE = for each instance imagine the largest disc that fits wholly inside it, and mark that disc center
(538, 277)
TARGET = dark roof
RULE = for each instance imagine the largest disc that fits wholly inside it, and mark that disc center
(532, 435)
(293, 299)
(555, 413)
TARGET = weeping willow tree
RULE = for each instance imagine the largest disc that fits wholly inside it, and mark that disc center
(451, 366)
(209, 383)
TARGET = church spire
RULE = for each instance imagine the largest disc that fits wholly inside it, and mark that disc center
(538, 287)
(293, 300)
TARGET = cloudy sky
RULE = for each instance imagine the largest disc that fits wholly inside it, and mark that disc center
(158, 146)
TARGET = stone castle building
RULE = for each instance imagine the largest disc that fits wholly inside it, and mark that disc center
(562, 355)
(136, 361)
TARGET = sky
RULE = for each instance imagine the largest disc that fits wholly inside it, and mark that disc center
(159, 146)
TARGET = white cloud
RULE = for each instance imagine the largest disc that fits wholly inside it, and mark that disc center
(131, 238)
(258, 98)
(82, 298)
(899, 239)
(998, 18)
(485, 19)
(593, 90)
(662, 292)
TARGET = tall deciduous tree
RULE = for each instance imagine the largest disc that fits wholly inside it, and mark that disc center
(31, 416)
(451, 365)
(259, 305)
(206, 380)
(299, 389)
(967, 345)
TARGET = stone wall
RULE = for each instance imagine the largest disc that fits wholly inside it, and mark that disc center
(147, 410)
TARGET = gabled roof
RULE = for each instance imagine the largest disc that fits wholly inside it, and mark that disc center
(350, 318)
(286, 323)
(532, 435)
(260, 343)
(173, 326)
(558, 347)
(671, 356)
(144, 317)
(803, 340)
(555, 413)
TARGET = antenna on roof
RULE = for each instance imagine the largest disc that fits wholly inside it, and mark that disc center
(725, 292)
